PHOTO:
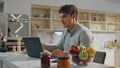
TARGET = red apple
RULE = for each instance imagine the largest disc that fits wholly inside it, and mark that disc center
(74, 49)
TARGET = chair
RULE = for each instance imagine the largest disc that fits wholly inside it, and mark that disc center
(99, 57)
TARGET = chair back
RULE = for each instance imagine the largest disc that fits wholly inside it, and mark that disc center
(99, 57)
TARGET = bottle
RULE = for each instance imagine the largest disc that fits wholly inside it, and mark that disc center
(3, 47)
(45, 60)
(63, 62)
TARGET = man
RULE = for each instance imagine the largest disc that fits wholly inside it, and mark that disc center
(74, 32)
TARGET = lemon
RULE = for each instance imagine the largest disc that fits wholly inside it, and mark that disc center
(91, 50)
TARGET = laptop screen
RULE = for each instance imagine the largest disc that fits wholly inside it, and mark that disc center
(33, 46)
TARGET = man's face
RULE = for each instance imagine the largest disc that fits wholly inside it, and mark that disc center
(66, 19)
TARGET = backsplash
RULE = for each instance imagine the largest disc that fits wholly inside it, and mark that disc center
(100, 39)
(53, 39)
(49, 37)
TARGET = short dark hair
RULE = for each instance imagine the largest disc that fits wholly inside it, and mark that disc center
(68, 9)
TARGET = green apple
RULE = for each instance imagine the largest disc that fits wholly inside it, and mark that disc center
(82, 47)
(83, 55)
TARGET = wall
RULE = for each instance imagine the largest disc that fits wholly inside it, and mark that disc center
(82, 4)
(18, 6)
(24, 7)
(47, 38)
(100, 39)
(102, 5)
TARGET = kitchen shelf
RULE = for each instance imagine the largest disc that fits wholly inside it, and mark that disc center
(113, 22)
(42, 29)
(47, 18)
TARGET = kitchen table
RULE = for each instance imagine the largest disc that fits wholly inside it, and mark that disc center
(20, 60)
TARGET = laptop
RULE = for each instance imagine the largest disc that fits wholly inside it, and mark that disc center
(33, 46)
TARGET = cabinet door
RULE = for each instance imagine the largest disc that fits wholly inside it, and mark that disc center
(109, 60)
(2, 23)
(40, 17)
(1, 6)
(83, 18)
(117, 59)
(113, 22)
(56, 23)
(18, 24)
(1, 64)
(98, 22)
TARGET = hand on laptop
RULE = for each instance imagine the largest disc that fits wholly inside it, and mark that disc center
(48, 52)
(46, 47)
(58, 52)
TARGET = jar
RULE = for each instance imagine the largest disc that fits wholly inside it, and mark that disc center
(45, 60)
(63, 62)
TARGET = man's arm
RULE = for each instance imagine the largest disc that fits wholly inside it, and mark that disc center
(59, 46)
(51, 48)
(86, 38)
(46, 47)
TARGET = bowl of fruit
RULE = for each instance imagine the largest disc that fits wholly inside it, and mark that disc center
(80, 54)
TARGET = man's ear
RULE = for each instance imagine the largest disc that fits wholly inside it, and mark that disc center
(74, 15)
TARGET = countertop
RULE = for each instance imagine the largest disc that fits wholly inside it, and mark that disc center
(20, 60)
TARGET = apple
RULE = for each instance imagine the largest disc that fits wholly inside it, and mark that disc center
(87, 60)
(74, 49)
(83, 55)
(82, 47)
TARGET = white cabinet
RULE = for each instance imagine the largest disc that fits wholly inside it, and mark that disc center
(1, 6)
(2, 23)
(113, 22)
(117, 59)
(0, 63)
(109, 59)
(47, 18)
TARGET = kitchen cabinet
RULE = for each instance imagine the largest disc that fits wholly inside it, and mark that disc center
(83, 18)
(109, 60)
(47, 18)
(3, 23)
(97, 21)
(0, 63)
(113, 22)
(110, 55)
(20, 22)
(1, 6)
(117, 59)
(40, 17)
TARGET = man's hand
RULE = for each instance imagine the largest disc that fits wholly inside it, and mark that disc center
(76, 60)
(87, 60)
(58, 52)
(46, 47)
